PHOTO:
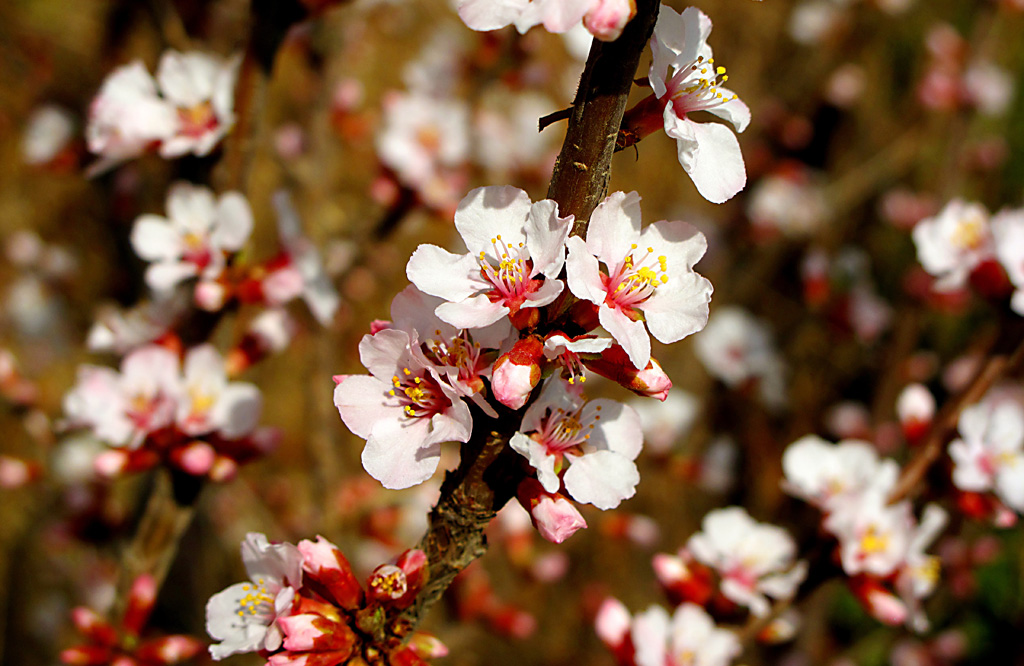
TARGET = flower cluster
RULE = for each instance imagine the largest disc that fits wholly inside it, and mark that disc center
(490, 323)
(303, 606)
(122, 645)
(199, 238)
(752, 561)
(988, 456)
(155, 408)
(881, 545)
(188, 108)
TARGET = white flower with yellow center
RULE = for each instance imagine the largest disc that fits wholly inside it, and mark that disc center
(708, 152)
(244, 616)
(647, 276)
(195, 237)
(953, 243)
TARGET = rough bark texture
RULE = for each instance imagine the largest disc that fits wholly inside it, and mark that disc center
(490, 471)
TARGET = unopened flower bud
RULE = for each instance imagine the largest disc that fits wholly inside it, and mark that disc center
(915, 408)
(325, 563)
(196, 458)
(517, 372)
(683, 578)
(614, 364)
(210, 295)
(554, 516)
(882, 604)
(606, 20)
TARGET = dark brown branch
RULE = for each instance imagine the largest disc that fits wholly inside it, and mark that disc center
(583, 169)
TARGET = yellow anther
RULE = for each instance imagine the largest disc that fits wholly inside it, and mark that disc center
(720, 70)
(407, 371)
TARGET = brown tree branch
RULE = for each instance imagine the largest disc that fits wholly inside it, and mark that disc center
(996, 366)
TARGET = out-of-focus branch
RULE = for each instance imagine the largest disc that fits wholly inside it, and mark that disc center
(995, 367)
(168, 513)
(489, 470)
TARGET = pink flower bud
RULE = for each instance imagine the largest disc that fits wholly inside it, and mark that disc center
(168, 650)
(427, 647)
(608, 18)
(378, 325)
(210, 295)
(915, 407)
(325, 563)
(612, 622)
(92, 626)
(15, 473)
(301, 633)
(882, 604)
(223, 469)
(517, 372)
(140, 604)
(195, 458)
(110, 464)
(614, 364)
(554, 516)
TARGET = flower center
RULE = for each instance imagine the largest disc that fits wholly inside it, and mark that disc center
(511, 276)
(695, 87)
(429, 137)
(459, 352)
(874, 541)
(563, 430)
(258, 601)
(418, 394)
(636, 278)
(197, 120)
(969, 233)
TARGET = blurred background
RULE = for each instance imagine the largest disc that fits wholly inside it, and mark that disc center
(868, 115)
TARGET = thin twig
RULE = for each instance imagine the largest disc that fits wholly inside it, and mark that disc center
(995, 368)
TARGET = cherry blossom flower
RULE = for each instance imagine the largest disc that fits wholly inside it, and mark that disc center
(403, 410)
(123, 408)
(127, 116)
(953, 243)
(422, 138)
(513, 244)
(648, 276)
(302, 258)
(244, 616)
(211, 403)
(688, 638)
(1008, 238)
(201, 90)
(832, 475)
(755, 560)
(737, 348)
(597, 439)
(874, 536)
(685, 79)
(790, 202)
(461, 357)
(989, 454)
(195, 237)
